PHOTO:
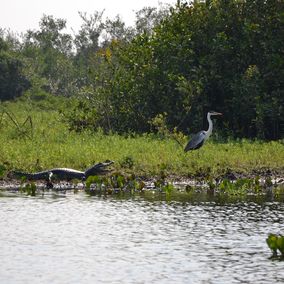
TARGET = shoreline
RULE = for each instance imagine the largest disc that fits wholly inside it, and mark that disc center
(264, 179)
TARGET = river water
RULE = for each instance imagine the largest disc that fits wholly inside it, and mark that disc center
(75, 238)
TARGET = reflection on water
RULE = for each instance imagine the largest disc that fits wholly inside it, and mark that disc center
(74, 238)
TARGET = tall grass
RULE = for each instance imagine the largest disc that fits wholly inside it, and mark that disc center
(51, 144)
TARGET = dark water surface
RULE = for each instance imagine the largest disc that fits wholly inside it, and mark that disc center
(74, 238)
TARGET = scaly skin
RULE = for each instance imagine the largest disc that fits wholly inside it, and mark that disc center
(64, 173)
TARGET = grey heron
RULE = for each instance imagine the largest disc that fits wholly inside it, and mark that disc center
(199, 138)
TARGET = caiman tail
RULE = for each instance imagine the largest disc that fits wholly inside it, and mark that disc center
(57, 173)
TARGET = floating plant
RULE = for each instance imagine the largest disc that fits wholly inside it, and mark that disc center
(276, 244)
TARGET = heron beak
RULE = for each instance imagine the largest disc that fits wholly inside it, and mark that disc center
(217, 113)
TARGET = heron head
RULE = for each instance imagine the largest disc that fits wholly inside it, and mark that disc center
(214, 113)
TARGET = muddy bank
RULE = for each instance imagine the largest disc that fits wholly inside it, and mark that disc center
(259, 180)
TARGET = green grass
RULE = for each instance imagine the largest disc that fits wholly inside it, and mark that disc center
(51, 144)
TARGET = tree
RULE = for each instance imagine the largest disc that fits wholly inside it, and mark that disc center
(48, 57)
(12, 81)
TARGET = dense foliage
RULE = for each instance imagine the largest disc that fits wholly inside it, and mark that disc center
(12, 82)
(176, 63)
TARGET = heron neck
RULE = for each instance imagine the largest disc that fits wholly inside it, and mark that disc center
(210, 128)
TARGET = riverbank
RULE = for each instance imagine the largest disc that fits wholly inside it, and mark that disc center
(187, 191)
(171, 188)
(35, 138)
(145, 156)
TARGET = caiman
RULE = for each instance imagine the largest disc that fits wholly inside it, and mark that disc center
(64, 173)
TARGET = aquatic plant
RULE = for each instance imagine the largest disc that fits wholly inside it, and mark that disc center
(97, 181)
(163, 185)
(29, 188)
(119, 182)
(115, 182)
(276, 243)
(240, 186)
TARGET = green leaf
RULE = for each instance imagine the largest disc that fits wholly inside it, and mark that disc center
(272, 243)
(280, 244)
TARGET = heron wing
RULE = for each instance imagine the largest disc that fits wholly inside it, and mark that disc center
(196, 141)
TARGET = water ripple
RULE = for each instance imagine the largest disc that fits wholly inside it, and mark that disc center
(80, 239)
